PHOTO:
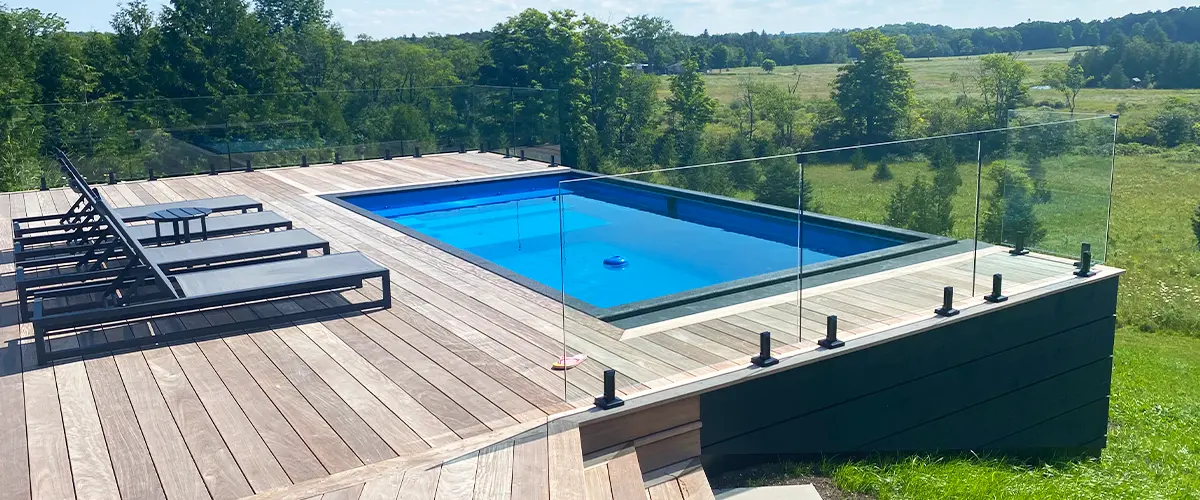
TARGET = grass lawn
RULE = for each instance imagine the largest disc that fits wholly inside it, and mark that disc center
(1154, 429)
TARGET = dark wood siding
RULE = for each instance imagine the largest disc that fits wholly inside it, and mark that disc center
(1034, 376)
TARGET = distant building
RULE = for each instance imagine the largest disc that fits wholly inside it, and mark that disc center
(638, 67)
(675, 69)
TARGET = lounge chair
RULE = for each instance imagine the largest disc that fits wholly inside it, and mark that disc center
(82, 215)
(97, 270)
(57, 245)
(142, 290)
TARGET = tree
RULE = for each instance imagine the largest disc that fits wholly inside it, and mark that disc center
(719, 57)
(1001, 81)
(1009, 216)
(905, 45)
(882, 172)
(1116, 78)
(538, 50)
(1067, 79)
(874, 93)
(654, 38)
(279, 15)
(920, 207)
(1066, 38)
(782, 187)
(1196, 225)
(690, 109)
(858, 160)
(768, 65)
(965, 47)
(1091, 36)
(637, 120)
(1175, 123)
(926, 46)
(1154, 33)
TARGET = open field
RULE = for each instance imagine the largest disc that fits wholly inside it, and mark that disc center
(933, 77)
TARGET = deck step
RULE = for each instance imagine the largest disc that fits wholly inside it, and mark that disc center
(681, 481)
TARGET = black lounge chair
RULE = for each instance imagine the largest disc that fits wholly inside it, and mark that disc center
(97, 270)
(42, 246)
(82, 215)
(142, 290)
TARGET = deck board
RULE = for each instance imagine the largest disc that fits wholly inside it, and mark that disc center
(462, 353)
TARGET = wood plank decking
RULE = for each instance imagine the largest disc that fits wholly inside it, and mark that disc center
(462, 359)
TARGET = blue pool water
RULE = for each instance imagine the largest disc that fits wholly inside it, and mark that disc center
(670, 245)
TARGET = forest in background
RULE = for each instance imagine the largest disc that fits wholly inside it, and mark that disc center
(270, 80)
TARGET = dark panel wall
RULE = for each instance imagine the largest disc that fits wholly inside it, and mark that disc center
(1033, 376)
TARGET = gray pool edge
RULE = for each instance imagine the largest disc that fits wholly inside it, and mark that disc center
(657, 309)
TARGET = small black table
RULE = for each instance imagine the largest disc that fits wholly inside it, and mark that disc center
(175, 216)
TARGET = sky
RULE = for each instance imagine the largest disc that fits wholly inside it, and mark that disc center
(382, 19)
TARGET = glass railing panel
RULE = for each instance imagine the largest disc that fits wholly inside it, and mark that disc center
(1053, 185)
(891, 231)
(673, 273)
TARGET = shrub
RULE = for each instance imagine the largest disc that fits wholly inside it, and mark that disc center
(920, 206)
(858, 160)
(1009, 216)
(1175, 123)
(882, 172)
(1135, 149)
(1138, 133)
(946, 178)
(1037, 174)
(1196, 225)
(781, 186)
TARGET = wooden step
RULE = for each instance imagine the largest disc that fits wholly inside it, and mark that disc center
(618, 478)
(682, 481)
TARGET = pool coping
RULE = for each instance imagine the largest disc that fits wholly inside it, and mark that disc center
(915, 242)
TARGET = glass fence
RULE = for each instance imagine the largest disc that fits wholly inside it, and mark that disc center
(670, 274)
(138, 139)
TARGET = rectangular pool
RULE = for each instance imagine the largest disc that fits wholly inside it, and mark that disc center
(677, 245)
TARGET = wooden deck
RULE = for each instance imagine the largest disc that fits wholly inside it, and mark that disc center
(446, 385)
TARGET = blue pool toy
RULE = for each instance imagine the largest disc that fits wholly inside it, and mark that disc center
(616, 262)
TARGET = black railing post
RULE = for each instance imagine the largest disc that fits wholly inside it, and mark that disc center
(387, 154)
(507, 153)
(831, 341)
(249, 166)
(43, 186)
(947, 308)
(1019, 249)
(1085, 262)
(416, 151)
(337, 158)
(609, 399)
(764, 359)
(522, 155)
(303, 160)
(212, 168)
(462, 148)
(150, 174)
(997, 283)
(112, 177)
(553, 161)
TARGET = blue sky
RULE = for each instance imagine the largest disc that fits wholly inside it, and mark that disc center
(381, 19)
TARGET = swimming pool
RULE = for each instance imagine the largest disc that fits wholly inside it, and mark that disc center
(674, 245)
